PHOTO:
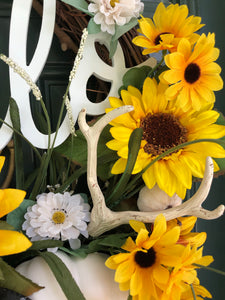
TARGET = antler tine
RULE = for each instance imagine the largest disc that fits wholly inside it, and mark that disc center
(92, 135)
(194, 203)
(103, 219)
(100, 212)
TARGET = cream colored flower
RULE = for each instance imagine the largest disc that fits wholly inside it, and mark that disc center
(115, 12)
(57, 216)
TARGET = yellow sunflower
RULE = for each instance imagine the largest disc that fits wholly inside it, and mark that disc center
(186, 236)
(144, 264)
(11, 241)
(178, 285)
(164, 125)
(193, 74)
(166, 29)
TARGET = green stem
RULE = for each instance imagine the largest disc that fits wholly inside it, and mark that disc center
(60, 115)
(133, 146)
(158, 64)
(73, 177)
(70, 159)
(169, 152)
(210, 269)
(193, 292)
(42, 174)
(47, 120)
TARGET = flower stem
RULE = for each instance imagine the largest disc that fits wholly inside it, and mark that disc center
(210, 269)
(47, 120)
(158, 64)
(46, 158)
(26, 140)
(218, 141)
(193, 292)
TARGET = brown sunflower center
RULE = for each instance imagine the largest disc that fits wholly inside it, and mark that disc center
(192, 73)
(162, 131)
(145, 259)
(158, 38)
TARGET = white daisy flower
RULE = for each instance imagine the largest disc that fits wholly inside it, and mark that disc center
(108, 13)
(57, 216)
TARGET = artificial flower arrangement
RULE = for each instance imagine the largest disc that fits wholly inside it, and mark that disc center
(130, 236)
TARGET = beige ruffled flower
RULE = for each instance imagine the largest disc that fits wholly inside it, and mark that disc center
(115, 12)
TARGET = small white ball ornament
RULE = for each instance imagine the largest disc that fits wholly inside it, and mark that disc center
(156, 199)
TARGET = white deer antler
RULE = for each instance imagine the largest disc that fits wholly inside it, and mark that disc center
(104, 219)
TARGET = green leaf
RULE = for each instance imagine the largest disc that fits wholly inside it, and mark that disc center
(15, 281)
(5, 226)
(120, 30)
(76, 150)
(85, 197)
(1, 275)
(171, 150)
(221, 163)
(30, 179)
(114, 240)
(135, 77)
(15, 117)
(93, 27)
(221, 119)
(75, 175)
(81, 252)
(63, 276)
(133, 146)
(112, 48)
(107, 243)
(16, 217)
(105, 163)
(14, 114)
(82, 5)
(41, 176)
(39, 245)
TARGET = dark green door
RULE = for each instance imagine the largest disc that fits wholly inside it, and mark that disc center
(53, 82)
(212, 13)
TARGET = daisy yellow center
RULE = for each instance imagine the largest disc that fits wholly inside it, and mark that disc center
(158, 38)
(162, 131)
(113, 2)
(145, 259)
(192, 73)
(58, 217)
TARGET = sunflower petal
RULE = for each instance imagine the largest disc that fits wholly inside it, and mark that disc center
(2, 160)
(124, 271)
(10, 199)
(13, 242)
(137, 225)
